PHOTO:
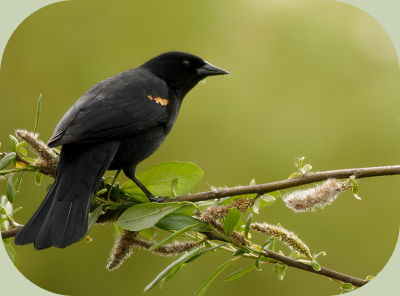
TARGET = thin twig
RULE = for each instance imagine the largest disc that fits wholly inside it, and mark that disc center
(10, 232)
(308, 178)
(323, 271)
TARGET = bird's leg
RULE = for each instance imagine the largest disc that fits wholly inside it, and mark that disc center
(150, 196)
(130, 173)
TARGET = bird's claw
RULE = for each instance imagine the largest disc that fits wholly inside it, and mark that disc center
(158, 199)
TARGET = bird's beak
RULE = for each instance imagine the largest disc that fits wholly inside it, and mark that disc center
(208, 70)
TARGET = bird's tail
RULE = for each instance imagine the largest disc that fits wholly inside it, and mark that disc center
(62, 218)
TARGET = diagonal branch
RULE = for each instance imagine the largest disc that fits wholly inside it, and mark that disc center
(323, 271)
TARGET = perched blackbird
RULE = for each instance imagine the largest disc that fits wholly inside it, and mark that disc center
(115, 125)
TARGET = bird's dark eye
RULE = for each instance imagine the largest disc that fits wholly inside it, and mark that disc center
(186, 63)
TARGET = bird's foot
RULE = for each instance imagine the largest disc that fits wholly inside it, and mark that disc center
(158, 199)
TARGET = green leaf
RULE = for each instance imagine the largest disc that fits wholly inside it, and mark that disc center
(280, 271)
(171, 274)
(176, 221)
(295, 175)
(299, 163)
(148, 233)
(202, 288)
(48, 187)
(31, 168)
(10, 189)
(171, 237)
(256, 206)
(239, 273)
(369, 278)
(14, 143)
(93, 216)
(240, 252)
(347, 286)
(167, 179)
(307, 168)
(2, 220)
(17, 183)
(268, 243)
(37, 113)
(38, 179)
(5, 161)
(118, 230)
(202, 253)
(354, 188)
(263, 201)
(22, 150)
(21, 145)
(247, 227)
(294, 255)
(231, 220)
(6, 205)
(257, 262)
(146, 215)
(11, 253)
(169, 268)
(315, 265)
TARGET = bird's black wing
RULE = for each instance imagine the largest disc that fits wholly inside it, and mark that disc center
(120, 106)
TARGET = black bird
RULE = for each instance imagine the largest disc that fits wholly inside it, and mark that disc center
(115, 125)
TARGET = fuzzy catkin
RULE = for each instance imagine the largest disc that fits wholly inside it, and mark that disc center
(122, 249)
(129, 239)
(287, 237)
(216, 212)
(48, 159)
(320, 196)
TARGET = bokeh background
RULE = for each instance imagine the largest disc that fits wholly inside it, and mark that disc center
(309, 78)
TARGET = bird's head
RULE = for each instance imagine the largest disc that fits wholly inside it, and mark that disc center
(182, 71)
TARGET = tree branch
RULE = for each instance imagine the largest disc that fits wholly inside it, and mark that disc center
(323, 271)
(308, 178)
(10, 232)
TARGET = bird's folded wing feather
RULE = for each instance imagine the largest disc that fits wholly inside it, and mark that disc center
(117, 107)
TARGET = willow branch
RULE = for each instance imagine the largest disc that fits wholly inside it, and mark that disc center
(10, 232)
(307, 178)
(323, 271)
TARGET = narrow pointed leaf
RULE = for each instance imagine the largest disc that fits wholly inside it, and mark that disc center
(93, 216)
(14, 143)
(202, 288)
(38, 179)
(171, 237)
(239, 273)
(10, 189)
(231, 221)
(17, 183)
(37, 114)
(203, 252)
(170, 267)
(5, 161)
(247, 227)
(11, 253)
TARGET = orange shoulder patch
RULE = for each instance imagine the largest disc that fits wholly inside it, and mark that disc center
(159, 100)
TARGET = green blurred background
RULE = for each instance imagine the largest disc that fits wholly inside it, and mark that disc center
(308, 78)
